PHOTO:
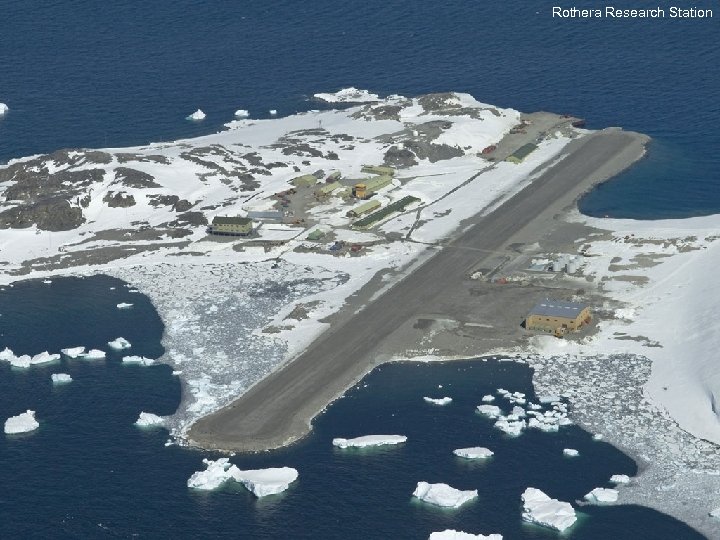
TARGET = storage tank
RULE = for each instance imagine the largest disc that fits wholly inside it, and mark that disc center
(571, 266)
(557, 266)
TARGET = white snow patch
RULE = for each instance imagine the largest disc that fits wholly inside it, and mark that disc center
(348, 95)
(369, 440)
(540, 509)
(443, 495)
(22, 423)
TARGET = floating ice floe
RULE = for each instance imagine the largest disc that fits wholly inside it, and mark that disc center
(452, 534)
(597, 437)
(443, 495)
(510, 426)
(47, 281)
(119, 344)
(540, 509)
(369, 440)
(73, 352)
(570, 452)
(260, 482)
(348, 95)
(475, 452)
(25, 360)
(147, 419)
(22, 423)
(139, 360)
(620, 479)
(241, 113)
(438, 401)
(272, 112)
(602, 495)
(60, 378)
(197, 115)
(94, 354)
(488, 398)
(3, 109)
(549, 398)
(124, 305)
(493, 411)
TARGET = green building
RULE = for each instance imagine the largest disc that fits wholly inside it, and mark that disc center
(380, 170)
(364, 208)
(231, 226)
(327, 189)
(521, 153)
(317, 234)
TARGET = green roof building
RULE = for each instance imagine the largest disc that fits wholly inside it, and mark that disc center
(231, 226)
(327, 189)
(317, 234)
(380, 170)
(521, 153)
(364, 208)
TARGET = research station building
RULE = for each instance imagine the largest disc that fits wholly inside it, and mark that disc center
(231, 226)
(558, 317)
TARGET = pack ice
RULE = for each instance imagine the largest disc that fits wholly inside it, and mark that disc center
(22, 423)
(369, 440)
(540, 509)
(443, 495)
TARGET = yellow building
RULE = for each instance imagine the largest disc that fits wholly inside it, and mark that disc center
(558, 317)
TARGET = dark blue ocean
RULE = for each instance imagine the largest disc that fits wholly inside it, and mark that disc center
(78, 73)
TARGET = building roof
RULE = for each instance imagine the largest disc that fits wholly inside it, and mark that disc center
(523, 151)
(265, 214)
(231, 220)
(557, 308)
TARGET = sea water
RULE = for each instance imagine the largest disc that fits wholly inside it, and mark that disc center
(89, 472)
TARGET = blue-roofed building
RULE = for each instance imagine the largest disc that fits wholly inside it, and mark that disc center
(557, 317)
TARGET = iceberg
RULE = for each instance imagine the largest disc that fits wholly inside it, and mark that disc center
(369, 440)
(488, 398)
(452, 534)
(493, 411)
(60, 378)
(119, 344)
(241, 113)
(540, 509)
(124, 305)
(260, 482)
(147, 419)
(602, 495)
(216, 474)
(438, 401)
(139, 360)
(273, 112)
(73, 352)
(475, 452)
(443, 495)
(25, 360)
(263, 482)
(570, 452)
(620, 479)
(348, 95)
(196, 116)
(22, 423)
(94, 354)
(3, 109)
(511, 427)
